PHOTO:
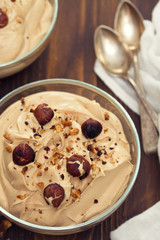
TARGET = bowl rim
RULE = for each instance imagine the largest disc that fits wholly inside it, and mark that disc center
(64, 229)
(28, 54)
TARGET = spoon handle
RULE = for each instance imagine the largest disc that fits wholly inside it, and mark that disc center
(149, 118)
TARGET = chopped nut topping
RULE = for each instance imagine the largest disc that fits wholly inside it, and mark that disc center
(103, 162)
(56, 149)
(55, 157)
(106, 116)
(76, 193)
(62, 176)
(58, 167)
(58, 128)
(46, 149)
(42, 131)
(91, 148)
(39, 174)
(21, 197)
(112, 161)
(22, 101)
(26, 123)
(19, 20)
(8, 148)
(66, 135)
(105, 130)
(111, 148)
(53, 160)
(39, 165)
(93, 166)
(66, 123)
(6, 135)
(40, 211)
(37, 136)
(40, 184)
(24, 170)
(74, 131)
(46, 169)
(68, 148)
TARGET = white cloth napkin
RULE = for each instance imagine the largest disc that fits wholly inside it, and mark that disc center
(149, 58)
(145, 226)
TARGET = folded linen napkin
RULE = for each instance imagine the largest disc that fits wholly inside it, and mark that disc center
(145, 226)
(149, 58)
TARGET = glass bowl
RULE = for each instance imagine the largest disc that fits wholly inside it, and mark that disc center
(19, 64)
(93, 93)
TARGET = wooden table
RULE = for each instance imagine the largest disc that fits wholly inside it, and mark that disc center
(70, 54)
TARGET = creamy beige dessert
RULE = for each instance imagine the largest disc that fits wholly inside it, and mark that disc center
(64, 159)
(23, 24)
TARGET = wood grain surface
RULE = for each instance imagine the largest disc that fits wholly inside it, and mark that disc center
(70, 54)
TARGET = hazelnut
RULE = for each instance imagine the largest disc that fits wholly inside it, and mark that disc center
(40, 184)
(54, 194)
(43, 114)
(6, 136)
(76, 193)
(91, 148)
(21, 197)
(91, 128)
(23, 154)
(66, 123)
(3, 19)
(74, 131)
(58, 128)
(8, 148)
(78, 166)
(106, 116)
(24, 170)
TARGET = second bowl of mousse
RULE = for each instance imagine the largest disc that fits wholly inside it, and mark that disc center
(25, 27)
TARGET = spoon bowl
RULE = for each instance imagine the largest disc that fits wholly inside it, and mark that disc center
(115, 57)
(111, 51)
(129, 24)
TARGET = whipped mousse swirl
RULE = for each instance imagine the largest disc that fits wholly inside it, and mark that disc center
(64, 159)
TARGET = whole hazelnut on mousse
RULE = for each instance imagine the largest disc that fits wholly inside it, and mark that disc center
(91, 128)
(54, 194)
(23, 154)
(3, 19)
(78, 166)
(43, 114)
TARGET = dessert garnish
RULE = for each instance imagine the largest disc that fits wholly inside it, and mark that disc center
(23, 154)
(78, 166)
(54, 194)
(91, 128)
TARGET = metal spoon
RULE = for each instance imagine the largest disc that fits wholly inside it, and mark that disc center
(129, 24)
(115, 57)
